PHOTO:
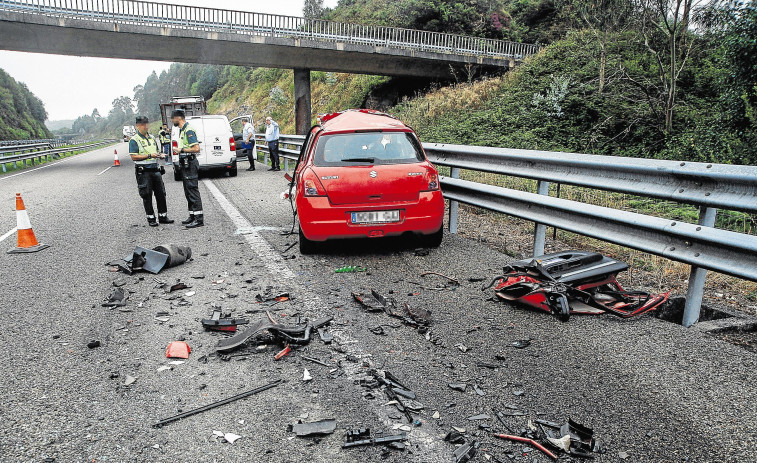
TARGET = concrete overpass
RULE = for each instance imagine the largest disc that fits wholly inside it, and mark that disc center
(154, 31)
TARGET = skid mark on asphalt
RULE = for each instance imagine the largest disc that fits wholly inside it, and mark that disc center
(274, 262)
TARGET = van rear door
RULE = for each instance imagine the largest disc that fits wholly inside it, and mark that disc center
(216, 140)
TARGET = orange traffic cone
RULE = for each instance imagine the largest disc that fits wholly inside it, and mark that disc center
(116, 163)
(27, 242)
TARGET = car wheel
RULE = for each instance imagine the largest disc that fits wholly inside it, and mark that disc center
(233, 171)
(307, 246)
(176, 174)
(433, 240)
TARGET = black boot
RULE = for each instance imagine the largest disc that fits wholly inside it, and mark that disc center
(164, 219)
(197, 222)
(152, 222)
(189, 220)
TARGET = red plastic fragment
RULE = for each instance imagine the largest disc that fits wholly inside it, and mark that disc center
(285, 351)
(178, 350)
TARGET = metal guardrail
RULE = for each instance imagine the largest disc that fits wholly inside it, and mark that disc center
(38, 155)
(701, 245)
(27, 142)
(268, 25)
(28, 146)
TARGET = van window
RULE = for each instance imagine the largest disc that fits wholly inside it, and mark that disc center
(367, 148)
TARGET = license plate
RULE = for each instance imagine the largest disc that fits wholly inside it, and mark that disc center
(217, 148)
(376, 217)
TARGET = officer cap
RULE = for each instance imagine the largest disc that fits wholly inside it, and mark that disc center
(142, 120)
(177, 113)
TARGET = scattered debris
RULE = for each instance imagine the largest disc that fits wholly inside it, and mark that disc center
(623, 455)
(217, 404)
(465, 452)
(360, 437)
(419, 319)
(325, 335)
(117, 298)
(350, 269)
(481, 416)
(521, 344)
(227, 436)
(217, 322)
(282, 333)
(314, 428)
(529, 441)
(573, 282)
(269, 298)
(458, 386)
(93, 344)
(178, 349)
(129, 380)
(421, 252)
(310, 359)
(283, 352)
(306, 376)
(462, 347)
(478, 390)
(153, 260)
(455, 437)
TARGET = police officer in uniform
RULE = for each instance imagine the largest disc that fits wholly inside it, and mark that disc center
(145, 152)
(190, 167)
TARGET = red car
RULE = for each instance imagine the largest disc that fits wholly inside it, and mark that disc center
(363, 173)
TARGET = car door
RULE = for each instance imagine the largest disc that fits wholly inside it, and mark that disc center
(238, 134)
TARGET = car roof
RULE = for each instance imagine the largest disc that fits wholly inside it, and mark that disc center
(353, 119)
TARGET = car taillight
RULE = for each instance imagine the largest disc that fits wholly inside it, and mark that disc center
(433, 181)
(311, 186)
(232, 144)
(175, 144)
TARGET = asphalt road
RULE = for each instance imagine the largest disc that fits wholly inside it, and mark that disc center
(651, 390)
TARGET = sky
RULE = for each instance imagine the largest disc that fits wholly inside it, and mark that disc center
(70, 86)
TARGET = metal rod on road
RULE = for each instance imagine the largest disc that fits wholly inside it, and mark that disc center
(216, 404)
(540, 230)
(453, 205)
(695, 291)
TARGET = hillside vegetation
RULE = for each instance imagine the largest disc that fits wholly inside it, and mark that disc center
(22, 114)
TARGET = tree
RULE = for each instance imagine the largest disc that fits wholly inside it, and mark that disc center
(96, 114)
(312, 9)
(665, 27)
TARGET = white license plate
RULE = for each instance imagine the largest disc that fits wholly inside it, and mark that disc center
(376, 217)
(217, 148)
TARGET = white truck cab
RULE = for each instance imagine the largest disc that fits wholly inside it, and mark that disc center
(217, 145)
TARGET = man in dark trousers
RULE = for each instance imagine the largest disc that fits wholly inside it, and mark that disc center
(165, 142)
(187, 151)
(145, 152)
(272, 138)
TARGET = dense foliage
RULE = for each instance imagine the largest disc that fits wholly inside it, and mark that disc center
(22, 114)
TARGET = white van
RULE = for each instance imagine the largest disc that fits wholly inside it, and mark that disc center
(217, 146)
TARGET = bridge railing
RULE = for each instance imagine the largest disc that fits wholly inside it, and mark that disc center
(708, 186)
(269, 25)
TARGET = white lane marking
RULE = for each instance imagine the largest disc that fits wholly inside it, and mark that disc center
(50, 164)
(10, 232)
(106, 169)
(276, 265)
(269, 256)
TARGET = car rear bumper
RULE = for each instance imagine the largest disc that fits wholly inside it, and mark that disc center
(320, 220)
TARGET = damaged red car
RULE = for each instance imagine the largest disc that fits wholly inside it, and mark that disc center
(363, 173)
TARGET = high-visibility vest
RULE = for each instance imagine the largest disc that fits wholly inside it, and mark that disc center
(147, 146)
(164, 137)
(183, 136)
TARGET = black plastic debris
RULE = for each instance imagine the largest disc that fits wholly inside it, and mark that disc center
(93, 344)
(325, 335)
(117, 298)
(465, 452)
(295, 335)
(458, 386)
(153, 260)
(454, 437)
(417, 318)
(362, 436)
(217, 322)
(314, 428)
(421, 252)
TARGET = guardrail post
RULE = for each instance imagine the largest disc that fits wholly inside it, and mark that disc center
(540, 230)
(453, 205)
(286, 165)
(695, 290)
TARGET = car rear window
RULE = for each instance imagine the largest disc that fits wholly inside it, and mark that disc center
(351, 149)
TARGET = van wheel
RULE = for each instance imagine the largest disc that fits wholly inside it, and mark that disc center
(176, 174)
(307, 246)
(433, 240)
(233, 171)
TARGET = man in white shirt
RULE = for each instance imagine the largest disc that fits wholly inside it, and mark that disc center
(248, 142)
(272, 137)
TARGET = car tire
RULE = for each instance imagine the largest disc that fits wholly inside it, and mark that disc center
(433, 240)
(233, 171)
(176, 174)
(307, 246)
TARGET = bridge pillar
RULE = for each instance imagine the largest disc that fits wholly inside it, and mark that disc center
(302, 120)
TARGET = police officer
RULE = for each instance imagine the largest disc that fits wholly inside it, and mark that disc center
(145, 152)
(165, 142)
(190, 167)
